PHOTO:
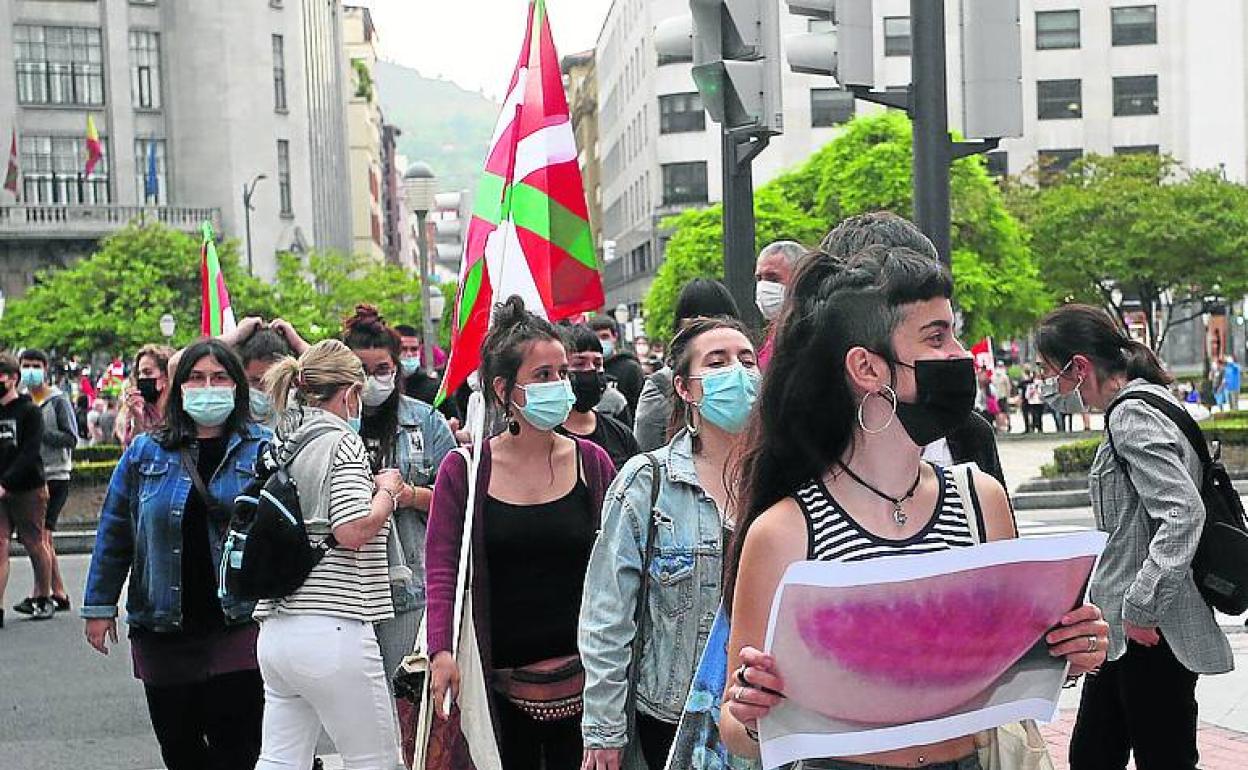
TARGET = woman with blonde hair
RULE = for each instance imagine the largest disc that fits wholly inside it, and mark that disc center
(317, 650)
(142, 406)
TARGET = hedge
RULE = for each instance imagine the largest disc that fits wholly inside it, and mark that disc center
(1075, 458)
(93, 472)
(97, 453)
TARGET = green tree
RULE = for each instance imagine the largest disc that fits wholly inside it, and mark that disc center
(1138, 227)
(868, 168)
(113, 300)
(315, 296)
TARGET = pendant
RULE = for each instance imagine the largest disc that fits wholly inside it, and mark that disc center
(899, 516)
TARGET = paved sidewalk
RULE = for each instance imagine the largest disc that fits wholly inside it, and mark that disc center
(1220, 749)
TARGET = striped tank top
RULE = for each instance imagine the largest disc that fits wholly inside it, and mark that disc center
(833, 535)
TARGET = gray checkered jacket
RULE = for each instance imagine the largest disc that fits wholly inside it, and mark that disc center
(1147, 499)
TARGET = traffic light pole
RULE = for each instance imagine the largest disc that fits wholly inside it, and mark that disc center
(739, 151)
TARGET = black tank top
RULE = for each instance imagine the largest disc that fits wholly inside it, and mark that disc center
(537, 557)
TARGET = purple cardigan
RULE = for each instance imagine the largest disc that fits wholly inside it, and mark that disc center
(446, 532)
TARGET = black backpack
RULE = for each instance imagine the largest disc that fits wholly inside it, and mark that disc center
(1220, 567)
(267, 554)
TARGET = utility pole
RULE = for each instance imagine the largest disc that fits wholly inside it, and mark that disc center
(738, 156)
(933, 152)
(248, 191)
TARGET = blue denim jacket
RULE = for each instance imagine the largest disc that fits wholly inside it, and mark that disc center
(422, 439)
(684, 593)
(140, 531)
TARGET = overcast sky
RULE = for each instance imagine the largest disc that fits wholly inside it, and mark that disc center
(476, 42)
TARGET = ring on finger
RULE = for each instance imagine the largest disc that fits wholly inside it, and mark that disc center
(1092, 644)
(741, 680)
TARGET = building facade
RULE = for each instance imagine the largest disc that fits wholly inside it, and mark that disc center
(328, 80)
(365, 135)
(580, 81)
(193, 102)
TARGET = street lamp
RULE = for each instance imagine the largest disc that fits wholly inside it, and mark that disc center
(248, 190)
(437, 304)
(2, 301)
(167, 326)
(419, 188)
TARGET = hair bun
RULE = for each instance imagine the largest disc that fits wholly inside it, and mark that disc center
(509, 313)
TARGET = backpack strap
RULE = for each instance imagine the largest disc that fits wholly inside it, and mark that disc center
(1177, 414)
(307, 437)
(964, 480)
(188, 464)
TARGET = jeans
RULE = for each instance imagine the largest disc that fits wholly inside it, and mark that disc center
(965, 763)
(320, 670)
(656, 738)
(1143, 703)
(209, 725)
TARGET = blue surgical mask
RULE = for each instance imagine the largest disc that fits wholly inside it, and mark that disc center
(354, 422)
(32, 377)
(261, 405)
(547, 404)
(727, 396)
(209, 407)
(410, 365)
(608, 348)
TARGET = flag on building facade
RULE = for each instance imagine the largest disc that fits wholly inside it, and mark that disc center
(529, 232)
(95, 150)
(151, 181)
(216, 316)
(13, 172)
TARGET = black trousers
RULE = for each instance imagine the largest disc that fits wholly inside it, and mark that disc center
(1143, 703)
(212, 725)
(656, 738)
(524, 743)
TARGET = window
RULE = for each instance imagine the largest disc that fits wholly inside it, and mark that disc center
(58, 65)
(283, 178)
(1135, 95)
(896, 35)
(830, 107)
(152, 188)
(820, 25)
(145, 69)
(679, 113)
(1138, 149)
(684, 183)
(1054, 162)
(279, 73)
(53, 170)
(1057, 29)
(997, 163)
(1059, 99)
(1134, 25)
(640, 260)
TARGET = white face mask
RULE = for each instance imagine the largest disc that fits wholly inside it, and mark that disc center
(769, 296)
(377, 390)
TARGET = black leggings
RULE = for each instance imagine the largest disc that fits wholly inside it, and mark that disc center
(211, 725)
(524, 743)
(655, 737)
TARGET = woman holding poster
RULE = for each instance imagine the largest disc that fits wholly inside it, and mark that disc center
(866, 371)
(1146, 495)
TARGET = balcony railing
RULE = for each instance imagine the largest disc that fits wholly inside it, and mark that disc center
(78, 221)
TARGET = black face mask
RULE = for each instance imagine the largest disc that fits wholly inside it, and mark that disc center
(147, 388)
(588, 388)
(946, 388)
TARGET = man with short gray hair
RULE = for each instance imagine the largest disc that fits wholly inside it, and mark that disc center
(772, 273)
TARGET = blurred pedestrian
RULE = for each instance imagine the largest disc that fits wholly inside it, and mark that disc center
(772, 272)
(537, 508)
(589, 383)
(161, 532)
(421, 380)
(143, 397)
(620, 363)
(23, 494)
(1145, 487)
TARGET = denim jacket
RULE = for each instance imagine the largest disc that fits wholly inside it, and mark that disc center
(140, 531)
(422, 439)
(684, 593)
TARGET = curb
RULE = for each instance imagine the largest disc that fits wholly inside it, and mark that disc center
(1059, 497)
(66, 543)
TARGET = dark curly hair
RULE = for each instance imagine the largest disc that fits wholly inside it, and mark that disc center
(368, 330)
(513, 330)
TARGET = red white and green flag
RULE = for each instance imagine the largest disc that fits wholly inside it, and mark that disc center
(95, 150)
(529, 233)
(12, 174)
(216, 317)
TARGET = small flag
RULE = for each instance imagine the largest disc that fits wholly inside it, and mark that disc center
(151, 182)
(982, 353)
(216, 317)
(529, 233)
(10, 176)
(95, 150)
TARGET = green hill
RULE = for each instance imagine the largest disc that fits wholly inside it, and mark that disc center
(444, 125)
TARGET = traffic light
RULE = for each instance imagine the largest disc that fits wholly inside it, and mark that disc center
(845, 51)
(992, 69)
(736, 63)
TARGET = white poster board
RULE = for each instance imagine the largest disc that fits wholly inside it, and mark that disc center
(906, 651)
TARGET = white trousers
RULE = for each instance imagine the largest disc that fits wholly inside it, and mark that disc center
(321, 670)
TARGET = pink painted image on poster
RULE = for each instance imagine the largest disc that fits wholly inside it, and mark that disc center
(907, 651)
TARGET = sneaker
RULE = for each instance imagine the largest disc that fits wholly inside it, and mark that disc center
(26, 606)
(61, 602)
(45, 608)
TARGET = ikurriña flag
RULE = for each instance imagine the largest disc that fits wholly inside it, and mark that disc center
(95, 150)
(529, 232)
(216, 316)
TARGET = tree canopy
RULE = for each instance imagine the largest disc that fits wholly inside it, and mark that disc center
(868, 168)
(1127, 228)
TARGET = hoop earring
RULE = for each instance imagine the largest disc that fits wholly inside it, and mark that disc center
(892, 396)
(513, 425)
(690, 408)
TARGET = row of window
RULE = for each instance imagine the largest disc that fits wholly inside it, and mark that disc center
(65, 66)
(1054, 161)
(1063, 99)
(53, 166)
